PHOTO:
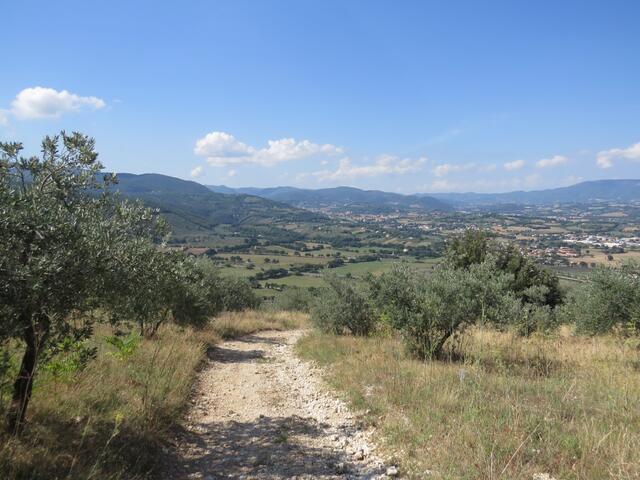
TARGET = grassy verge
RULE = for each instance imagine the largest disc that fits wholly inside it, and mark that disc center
(109, 420)
(509, 409)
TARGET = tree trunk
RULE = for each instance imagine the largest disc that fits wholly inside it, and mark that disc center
(24, 382)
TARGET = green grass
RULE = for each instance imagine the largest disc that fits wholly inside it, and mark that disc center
(514, 407)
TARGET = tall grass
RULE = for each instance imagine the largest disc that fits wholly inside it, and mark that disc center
(507, 407)
(109, 420)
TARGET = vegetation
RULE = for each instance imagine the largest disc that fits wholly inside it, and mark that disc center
(506, 391)
(64, 245)
(104, 323)
(342, 308)
(478, 283)
(504, 406)
(68, 247)
(608, 301)
(428, 311)
(109, 417)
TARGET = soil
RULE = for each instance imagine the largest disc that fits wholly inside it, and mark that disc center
(259, 412)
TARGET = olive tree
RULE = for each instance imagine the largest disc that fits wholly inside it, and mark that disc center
(526, 277)
(608, 301)
(342, 308)
(429, 310)
(63, 239)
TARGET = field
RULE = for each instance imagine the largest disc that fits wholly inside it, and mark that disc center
(508, 408)
(599, 257)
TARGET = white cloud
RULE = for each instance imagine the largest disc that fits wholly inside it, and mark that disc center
(40, 102)
(232, 173)
(515, 165)
(488, 168)
(384, 165)
(196, 172)
(552, 162)
(223, 149)
(446, 168)
(221, 145)
(605, 158)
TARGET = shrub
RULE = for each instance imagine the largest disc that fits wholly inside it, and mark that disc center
(342, 308)
(428, 311)
(529, 318)
(474, 247)
(294, 299)
(609, 300)
(236, 294)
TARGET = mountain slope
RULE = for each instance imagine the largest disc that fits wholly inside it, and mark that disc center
(345, 198)
(584, 192)
(191, 207)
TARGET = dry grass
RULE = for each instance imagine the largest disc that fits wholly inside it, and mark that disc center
(599, 257)
(235, 324)
(109, 421)
(510, 408)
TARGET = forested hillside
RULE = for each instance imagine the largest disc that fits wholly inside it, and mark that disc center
(193, 208)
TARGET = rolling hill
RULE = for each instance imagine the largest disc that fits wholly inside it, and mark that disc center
(623, 191)
(190, 207)
(344, 198)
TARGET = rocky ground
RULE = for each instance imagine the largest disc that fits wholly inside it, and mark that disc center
(259, 412)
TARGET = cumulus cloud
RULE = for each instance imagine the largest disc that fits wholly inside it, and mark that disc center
(384, 165)
(196, 172)
(40, 102)
(446, 168)
(515, 165)
(605, 158)
(552, 162)
(223, 149)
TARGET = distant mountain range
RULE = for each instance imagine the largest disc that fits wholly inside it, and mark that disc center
(623, 191)
(343, 199)
(374, 201)
(191, 207)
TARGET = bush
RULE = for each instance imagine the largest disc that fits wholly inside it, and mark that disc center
(609, 300)
(474, 247)
(294, 299)
(341, 308)
(428, 311)
(236, 294)
(528, 318)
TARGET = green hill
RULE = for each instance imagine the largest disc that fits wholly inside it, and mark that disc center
(344, 198)
(193, 208)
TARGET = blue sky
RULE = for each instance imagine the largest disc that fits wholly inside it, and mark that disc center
(407, 96)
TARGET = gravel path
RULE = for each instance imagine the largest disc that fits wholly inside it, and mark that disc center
(259, 412)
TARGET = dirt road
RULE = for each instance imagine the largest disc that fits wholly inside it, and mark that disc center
(259, 412)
